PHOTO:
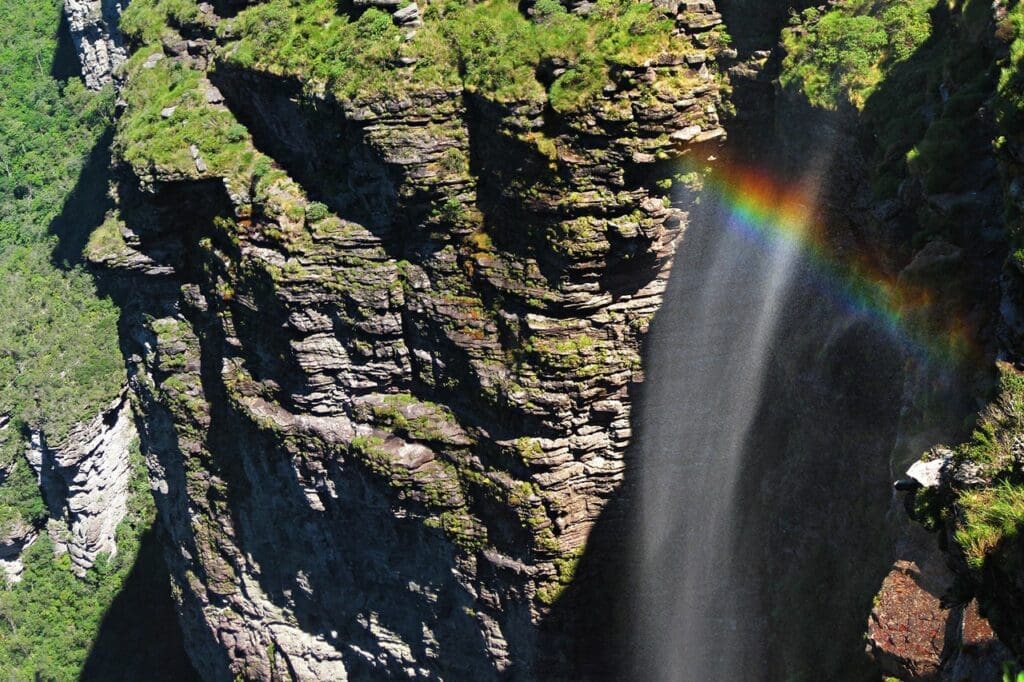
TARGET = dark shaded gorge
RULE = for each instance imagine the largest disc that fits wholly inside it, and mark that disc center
(842, 407)
(761, 469)
(139, 637)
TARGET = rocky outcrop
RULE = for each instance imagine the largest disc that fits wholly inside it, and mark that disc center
(85, 481)
(385, 356)
(914, 634)
(14, 541)
(97, 39)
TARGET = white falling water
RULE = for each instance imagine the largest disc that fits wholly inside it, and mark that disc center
(708, 356)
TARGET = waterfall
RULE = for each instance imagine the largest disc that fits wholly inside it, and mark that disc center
(695, 620)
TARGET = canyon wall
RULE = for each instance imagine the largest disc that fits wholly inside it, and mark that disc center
(384, 319)
(384, 347)
(93, 25)
(84, 481)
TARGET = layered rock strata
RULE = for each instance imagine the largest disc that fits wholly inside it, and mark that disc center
(94, 30)
(85, 482)
(385, 355)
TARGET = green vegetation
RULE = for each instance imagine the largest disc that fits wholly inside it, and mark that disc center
(999, 427)
(20, 501)
(168, 115)
(420, 420)
(1012, 673)
(494, 46)
(59, 359)
(147, 22)
(436, 485)
(922, 72)
(841, 55)
(566, 566)
(988, 518)
(1009, 107)
(51, 618)
(59, 356)
(47, 127)
(992, 516)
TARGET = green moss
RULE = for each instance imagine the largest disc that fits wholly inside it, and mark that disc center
(146, 21)
(438, 488)
(427, 425)
(464, 530)
(567, 565)
(488, 47)
(549, 593)
(529, 449)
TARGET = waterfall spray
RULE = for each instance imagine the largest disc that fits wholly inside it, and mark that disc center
(693, 619)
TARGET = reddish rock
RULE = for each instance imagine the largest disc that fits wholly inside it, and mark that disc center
(913, 637)
(980, 654)
(906, 632)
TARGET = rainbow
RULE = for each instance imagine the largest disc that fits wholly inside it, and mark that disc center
(769, 212)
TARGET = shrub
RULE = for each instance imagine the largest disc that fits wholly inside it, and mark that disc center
(545, 9)
(315, 212)
(838, 57)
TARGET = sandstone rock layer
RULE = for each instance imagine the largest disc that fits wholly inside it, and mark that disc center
(385, 356)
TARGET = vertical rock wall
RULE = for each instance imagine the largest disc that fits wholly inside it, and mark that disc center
(97, 39)
(85, 482)
(387, 380)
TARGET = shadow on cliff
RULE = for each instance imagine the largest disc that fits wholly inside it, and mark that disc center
(755, 24)
(313, 558)
(84, 208)
(139, 637)
(327, 551)
(343, 162)
(65, 62)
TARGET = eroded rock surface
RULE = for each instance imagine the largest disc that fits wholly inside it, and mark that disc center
(387, 379)
(914, 635)
(14, 541)
(97, 39)
(85, 482)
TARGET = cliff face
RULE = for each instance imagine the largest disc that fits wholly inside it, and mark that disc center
(944, 610)
(84, 482)
(94, 30)
(384, 344)
(385, 274)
